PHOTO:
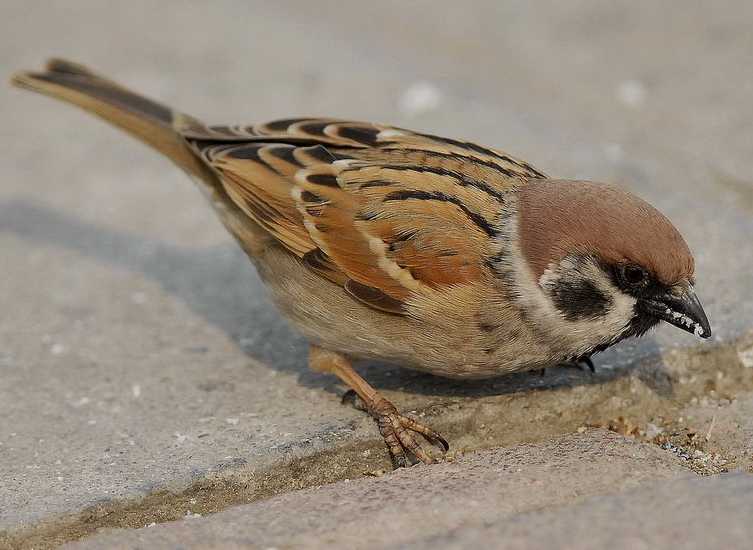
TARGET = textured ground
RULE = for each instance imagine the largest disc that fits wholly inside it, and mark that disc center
(144, 375)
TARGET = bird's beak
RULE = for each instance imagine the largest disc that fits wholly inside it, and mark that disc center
(683, 310)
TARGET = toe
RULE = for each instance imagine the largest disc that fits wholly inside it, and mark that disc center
(432, 436)
(399, 460)
(409, 444)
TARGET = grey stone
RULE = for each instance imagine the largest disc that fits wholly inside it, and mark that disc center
(138, 353)
(420, 504)
(690, 513)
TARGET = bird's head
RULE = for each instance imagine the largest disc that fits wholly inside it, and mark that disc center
(604, 258)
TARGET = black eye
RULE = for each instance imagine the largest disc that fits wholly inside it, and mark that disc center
(633, 274)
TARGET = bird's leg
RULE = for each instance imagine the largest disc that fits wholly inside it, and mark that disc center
(394, 427)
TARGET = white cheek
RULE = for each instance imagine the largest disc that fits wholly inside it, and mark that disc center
(617, 319)
(623, 310)
(582, 334)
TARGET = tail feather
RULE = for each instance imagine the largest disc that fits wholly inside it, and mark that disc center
(151, 122)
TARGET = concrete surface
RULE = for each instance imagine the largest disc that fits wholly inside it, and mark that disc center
(694, 514)
(405, 507)
(140, 361)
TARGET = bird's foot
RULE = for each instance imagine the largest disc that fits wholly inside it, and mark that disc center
(398, 431)
(581, 363)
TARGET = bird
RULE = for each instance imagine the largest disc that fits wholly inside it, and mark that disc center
(436, 254)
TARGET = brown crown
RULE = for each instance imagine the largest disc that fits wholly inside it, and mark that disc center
(562, 217)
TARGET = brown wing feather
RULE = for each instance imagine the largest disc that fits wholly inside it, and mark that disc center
(330, 214)
(260, 183)
(365, 135)
(423, 228)
(383, 212)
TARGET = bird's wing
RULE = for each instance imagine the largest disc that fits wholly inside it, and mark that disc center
(382, 211)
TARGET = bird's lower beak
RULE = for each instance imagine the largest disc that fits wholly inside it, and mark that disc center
(682, 310)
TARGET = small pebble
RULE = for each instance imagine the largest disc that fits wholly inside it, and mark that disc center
(57, 349)
(632, 93)
(746, 357)
(419, 98)
(652, 430)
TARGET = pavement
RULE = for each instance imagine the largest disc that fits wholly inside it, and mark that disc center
(415, 505)
(145, 377)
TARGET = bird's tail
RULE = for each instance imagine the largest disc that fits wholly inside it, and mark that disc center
(152, 123)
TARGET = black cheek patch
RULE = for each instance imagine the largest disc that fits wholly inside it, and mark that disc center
(578, 300)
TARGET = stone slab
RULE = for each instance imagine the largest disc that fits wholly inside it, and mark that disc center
(691, 513)
(422, 504)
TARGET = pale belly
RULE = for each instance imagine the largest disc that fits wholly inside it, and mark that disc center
(450, 343)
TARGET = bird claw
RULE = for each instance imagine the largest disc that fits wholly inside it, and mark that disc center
(589, 363)
(581, 363)
(396, 429)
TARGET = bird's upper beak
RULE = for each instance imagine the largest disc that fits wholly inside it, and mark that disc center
(683, 310)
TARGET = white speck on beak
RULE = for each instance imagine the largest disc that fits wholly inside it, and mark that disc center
(687, 321)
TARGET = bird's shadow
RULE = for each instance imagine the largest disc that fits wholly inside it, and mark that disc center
(219, 284)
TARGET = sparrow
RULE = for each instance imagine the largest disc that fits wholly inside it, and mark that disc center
(437, 254)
